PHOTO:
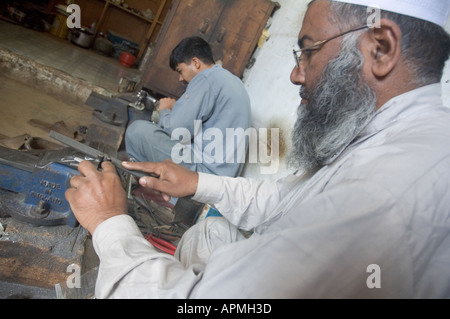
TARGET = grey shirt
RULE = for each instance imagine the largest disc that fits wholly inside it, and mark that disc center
(215, 100)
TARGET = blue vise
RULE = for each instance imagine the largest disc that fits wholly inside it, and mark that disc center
(33, 186)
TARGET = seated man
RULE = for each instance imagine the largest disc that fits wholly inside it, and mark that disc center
(369, 217)
(215, 100)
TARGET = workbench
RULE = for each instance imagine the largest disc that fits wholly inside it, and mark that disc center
(35, 259)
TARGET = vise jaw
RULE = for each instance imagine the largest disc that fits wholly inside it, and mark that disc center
(33, 186)
(120, 110)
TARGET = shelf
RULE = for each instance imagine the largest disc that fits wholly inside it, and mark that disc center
(130, 12)
(152, 23)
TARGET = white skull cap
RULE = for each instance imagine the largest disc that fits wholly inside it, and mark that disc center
(435, 11)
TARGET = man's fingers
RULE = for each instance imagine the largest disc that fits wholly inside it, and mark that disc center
(141, 166)
(108, 167)
(151, 168)
(75, 181)
(86, 168)
(70, 193)
(150, 182)
(173, 179)
(166, 197)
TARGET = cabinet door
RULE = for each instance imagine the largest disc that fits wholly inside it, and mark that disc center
(237, 32)
(232, 27)
(186, 18)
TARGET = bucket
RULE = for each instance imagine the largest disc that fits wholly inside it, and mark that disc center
(59, 27)
(127, 59)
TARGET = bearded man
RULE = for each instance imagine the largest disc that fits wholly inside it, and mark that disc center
(367, 217)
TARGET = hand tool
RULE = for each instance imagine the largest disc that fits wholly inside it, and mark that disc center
(161, 244)
(76, 237)
(89, 151)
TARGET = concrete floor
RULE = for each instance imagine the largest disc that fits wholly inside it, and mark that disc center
(65, 56)
(21, 103)
(45, 78)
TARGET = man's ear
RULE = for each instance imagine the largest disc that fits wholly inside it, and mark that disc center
(385, 47)
(196, 63)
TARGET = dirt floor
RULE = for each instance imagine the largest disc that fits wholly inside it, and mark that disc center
(19, 104)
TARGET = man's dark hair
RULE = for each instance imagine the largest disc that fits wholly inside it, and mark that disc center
(189, 48)
(425, 45)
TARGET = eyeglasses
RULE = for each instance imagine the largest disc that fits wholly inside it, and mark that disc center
(318, 45)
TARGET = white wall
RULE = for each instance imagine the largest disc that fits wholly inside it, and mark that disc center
(446, 77)
(274, 98)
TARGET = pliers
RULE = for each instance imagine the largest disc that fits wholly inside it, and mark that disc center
(161, 244)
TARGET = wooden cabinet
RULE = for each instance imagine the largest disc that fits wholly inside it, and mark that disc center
(232, 27)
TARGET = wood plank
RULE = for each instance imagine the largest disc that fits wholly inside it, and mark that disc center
(29, 265)
(40, 256)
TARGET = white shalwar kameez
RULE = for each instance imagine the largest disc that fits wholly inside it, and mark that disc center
(372, 223)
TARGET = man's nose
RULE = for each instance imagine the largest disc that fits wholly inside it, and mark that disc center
(298, 75)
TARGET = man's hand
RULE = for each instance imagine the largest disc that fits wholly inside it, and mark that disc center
(166, 103)
(96, 196)
(174, 180)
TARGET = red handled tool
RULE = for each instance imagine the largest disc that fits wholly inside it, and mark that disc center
(161, 244)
